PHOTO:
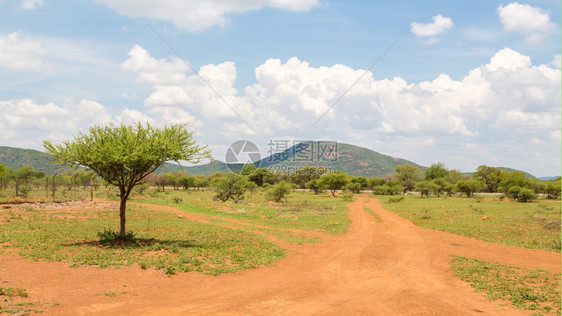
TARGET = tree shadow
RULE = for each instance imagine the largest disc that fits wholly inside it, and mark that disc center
(135, 243)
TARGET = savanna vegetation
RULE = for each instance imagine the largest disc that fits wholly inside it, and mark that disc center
(118, 164)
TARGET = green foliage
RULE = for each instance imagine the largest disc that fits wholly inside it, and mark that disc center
(553, 189)
(354, 187)
(261, 176)
(278, 192)
(455, 176)
(521, 194)
(436, 171)
(443, 187)
(375, 182)
(304, 175)
(315, 186)
(469, 187)
(361, 181)
(516, 178)
(408, 175)
(334, 181)
(529, 289)
(389, 188)
(123, 155)
(248, 169)
(231, 186)
(490, 176)
(426, 188)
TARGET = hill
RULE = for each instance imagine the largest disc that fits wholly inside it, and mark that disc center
(351, 159)
(15, 158)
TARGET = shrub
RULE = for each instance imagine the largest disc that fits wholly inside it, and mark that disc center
(426, 188)
(315, 186)
(526, 195)
(278, 192)
(513, 192)
(232, 186)
(354, 187)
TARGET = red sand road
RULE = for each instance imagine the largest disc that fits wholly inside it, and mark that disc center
(377, 268)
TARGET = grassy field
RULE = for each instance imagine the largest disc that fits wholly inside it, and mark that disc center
(85, 235)
(303, 210)
(529, 289)
(531, 225)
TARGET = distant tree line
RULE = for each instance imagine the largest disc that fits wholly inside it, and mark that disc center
(20, 182)
(435, 180)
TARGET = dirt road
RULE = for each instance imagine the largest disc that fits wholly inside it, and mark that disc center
(377, 268)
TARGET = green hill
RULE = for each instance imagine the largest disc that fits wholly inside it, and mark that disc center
(353, 160)
(15, 158)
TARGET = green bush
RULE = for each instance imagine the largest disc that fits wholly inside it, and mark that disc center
(232, 186)
(526, 195)
(278, 192)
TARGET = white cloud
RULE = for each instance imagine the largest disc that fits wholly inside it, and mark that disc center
(197, 15)
(129, 116)
(533, 22)
(17, 53)
(287, 98)
(46, 121)
(31, 4)
(440, 25)
(556, 61)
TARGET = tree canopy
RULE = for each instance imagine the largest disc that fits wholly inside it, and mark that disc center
(123, 155)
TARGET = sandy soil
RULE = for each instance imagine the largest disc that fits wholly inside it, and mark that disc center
(377, 268)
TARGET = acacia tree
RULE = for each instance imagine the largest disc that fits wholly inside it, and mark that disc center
(334, 181)
(408, 175)
(123, 155)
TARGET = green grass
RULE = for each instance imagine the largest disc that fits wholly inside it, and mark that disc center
(370, 211)
(531, 225)
(8, 291)
(162, 241)
(529, 289)
(302, 211)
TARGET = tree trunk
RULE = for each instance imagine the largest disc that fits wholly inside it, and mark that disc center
(122, 207)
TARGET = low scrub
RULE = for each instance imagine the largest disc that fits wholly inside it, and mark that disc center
(529, 289)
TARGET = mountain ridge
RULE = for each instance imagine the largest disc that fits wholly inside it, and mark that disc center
(351, 159)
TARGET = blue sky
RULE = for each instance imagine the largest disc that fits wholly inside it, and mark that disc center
(472, 82)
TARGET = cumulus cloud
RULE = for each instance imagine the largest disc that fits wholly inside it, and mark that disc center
(46, 121)
(288, 97)
(17, 53)
(197, 15)
(556, 61)
(440, 25)
(533, 22)
(31, 4)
